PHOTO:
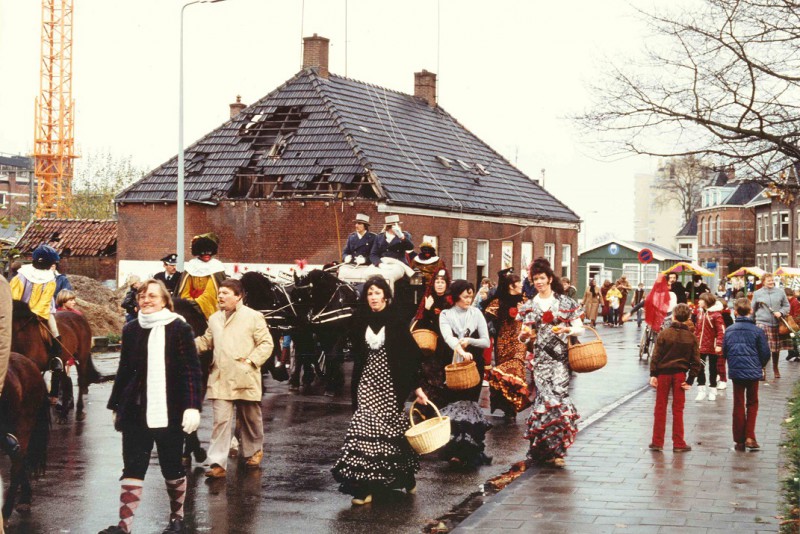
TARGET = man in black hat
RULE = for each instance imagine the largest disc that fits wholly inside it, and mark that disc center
(170, 275)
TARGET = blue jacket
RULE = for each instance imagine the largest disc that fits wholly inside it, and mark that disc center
(396, 249)
(746, 348)
(359, 246)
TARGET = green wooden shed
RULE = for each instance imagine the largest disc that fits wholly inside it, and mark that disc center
(612, 259)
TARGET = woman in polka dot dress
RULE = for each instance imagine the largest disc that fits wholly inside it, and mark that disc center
(376, 454)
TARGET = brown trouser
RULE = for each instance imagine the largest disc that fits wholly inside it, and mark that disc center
(251, 429)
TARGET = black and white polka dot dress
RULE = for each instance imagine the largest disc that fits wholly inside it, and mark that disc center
(376, 452)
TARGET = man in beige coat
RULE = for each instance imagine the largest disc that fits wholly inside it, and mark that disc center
(241, 342)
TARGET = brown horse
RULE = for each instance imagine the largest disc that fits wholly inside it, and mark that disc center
(76, 338)
(24, 412)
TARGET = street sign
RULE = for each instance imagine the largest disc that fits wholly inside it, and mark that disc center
(645, 256)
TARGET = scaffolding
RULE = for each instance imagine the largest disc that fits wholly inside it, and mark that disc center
(54, 141)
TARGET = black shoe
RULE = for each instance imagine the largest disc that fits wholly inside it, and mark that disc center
(113, 529)
(175, 526)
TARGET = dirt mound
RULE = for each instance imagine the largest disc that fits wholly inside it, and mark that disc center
(99, 304)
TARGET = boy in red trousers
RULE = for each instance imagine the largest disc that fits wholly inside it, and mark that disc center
(675, 353)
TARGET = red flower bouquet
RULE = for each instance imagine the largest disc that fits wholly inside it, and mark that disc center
(512, 312)
(547, 317)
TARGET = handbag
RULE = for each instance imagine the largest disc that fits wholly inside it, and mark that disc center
(787, 326)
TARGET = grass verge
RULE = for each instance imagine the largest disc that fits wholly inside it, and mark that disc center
(791, 452)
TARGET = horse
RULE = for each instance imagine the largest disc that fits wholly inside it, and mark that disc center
(324, 305)
(191, 312)
(25, 413)
(275, 303)
(76, 341)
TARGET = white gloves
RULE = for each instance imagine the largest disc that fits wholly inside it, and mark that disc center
(360, 260)
(348, 258)
(191, 420)
(428, 302)
(397, 231)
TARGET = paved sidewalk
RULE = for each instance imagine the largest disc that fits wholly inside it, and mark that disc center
(613, 483)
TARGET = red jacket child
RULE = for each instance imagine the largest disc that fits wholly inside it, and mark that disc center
(710, 329)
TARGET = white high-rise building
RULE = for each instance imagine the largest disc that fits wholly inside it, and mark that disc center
(654, 223)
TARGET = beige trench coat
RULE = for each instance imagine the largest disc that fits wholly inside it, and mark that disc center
(241, 344)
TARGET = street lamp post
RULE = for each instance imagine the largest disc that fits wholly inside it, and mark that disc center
(180, 196)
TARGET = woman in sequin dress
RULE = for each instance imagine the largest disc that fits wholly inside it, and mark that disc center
(376, 455)
(548, 319)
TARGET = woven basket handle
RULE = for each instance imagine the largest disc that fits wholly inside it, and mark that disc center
(569, 339)
(411, 411)
(413, 324)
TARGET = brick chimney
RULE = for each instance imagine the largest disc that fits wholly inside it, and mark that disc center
(425, 86)
(315, 54)
(237, 106)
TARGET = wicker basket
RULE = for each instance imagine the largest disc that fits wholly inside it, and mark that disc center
(429, 435)
(461, 375)
(589, 356)
(426, 339)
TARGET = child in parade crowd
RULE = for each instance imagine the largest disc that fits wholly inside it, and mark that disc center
(709, 331)
(675, 353)
(747, 350)
(66, 301)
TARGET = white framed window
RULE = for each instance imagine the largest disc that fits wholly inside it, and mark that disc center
(759, 229)
(783, 260)
(702, 235)
(649, 274)
(784, 218)
(550, 253)
(594, 270)
(774, 226)
(719, 230)
(22, 177)
(482, 253)
(459, 258)
(797, 259)
(685, 249)
(525, 257)
(566, 260)
(632, 271)
(3, 201)
(774, 263)
(712, 231)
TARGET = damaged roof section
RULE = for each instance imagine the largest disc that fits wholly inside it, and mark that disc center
(333, 137)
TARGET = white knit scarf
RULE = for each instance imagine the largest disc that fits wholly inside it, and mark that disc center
(156, 365)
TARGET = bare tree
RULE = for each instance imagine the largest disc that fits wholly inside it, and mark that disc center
(100, 176)
(681, 181)
(720, 79)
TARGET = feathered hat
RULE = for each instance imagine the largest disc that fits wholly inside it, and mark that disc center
(205, 244)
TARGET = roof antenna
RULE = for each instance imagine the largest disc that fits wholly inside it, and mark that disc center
(302, 28)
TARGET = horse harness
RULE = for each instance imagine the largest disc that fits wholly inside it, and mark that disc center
(325, 315)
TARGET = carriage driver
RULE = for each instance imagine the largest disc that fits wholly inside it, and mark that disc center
(388, 254)
(35, 284)
(202, 275)
(355, 256)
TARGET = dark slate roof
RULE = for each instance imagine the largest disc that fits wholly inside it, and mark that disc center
(23, 162)
(348, 128)
(78, 237)
(721, 179)
(744, 193)
(690, 228)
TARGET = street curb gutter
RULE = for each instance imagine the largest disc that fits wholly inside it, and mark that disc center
(489, 504)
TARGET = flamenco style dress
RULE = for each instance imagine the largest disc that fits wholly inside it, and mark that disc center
(551, 427)
(507, 387)
(376, 454)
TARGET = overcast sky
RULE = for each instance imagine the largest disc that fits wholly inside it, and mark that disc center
(509, 70)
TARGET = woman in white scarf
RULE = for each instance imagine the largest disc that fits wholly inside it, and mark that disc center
(156, 398)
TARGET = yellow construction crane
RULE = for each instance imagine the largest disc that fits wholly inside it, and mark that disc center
(54, 133)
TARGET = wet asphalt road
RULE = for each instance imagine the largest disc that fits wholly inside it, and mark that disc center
(294, 492)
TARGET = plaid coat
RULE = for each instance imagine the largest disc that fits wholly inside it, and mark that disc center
(184, 377)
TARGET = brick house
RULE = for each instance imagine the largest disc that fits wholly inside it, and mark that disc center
(777, 232)
(284, 178)
(87, 247)
(17, 187)
(726, 226)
